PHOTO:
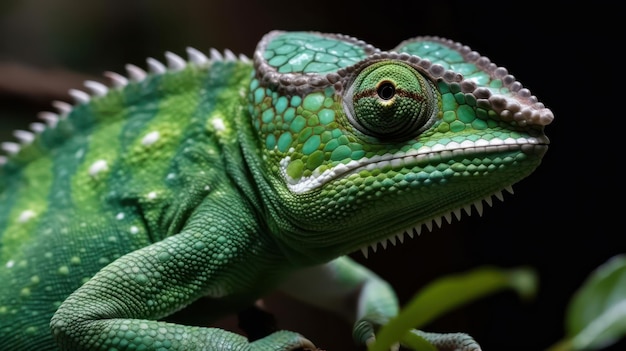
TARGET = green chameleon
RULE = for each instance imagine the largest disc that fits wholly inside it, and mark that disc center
(223, 178)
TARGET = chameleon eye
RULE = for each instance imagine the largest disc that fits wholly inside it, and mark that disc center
(390, 101)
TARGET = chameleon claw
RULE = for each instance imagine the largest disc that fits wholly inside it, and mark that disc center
(306, 344)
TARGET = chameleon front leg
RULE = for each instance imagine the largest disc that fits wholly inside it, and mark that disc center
(363, 298)
(348, 289)
(118, 308)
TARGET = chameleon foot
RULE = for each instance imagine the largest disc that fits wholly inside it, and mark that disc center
(282, 341)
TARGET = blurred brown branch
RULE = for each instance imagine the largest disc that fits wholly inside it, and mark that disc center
(39, 85)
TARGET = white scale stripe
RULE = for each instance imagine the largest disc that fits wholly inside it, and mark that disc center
(316, 180)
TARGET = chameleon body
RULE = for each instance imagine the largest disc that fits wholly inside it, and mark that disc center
(223, 177)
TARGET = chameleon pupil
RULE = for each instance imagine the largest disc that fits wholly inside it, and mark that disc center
(386, 90)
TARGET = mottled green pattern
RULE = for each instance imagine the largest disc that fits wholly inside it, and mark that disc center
(449, 58)
(452, 59)
(215, 179)
(311, 53)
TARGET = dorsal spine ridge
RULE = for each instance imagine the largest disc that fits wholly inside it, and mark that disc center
(95, 89)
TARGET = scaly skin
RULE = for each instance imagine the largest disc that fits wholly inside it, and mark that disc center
(225, 178)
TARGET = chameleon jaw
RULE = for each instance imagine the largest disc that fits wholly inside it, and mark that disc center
(437, 220)
(409, 158)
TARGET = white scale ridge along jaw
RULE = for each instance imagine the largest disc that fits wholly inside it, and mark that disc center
(417, 229)
(411, 157)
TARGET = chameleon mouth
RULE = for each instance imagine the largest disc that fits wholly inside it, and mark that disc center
(530, 145)
(435, 221)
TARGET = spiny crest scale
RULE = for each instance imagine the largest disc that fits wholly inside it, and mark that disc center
(95, 89)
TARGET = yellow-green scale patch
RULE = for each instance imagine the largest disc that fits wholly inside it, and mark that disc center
(24, 214)
(225, 83)
(89, 180)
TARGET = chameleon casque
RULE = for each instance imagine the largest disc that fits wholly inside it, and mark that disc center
(222, 177)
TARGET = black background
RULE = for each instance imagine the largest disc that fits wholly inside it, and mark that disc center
(564, 220)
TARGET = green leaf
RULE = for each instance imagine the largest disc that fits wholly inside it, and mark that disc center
(448, 293)
(596, 315)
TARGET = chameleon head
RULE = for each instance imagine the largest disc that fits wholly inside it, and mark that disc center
(366, 145)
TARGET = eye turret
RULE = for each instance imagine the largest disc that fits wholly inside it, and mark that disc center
(391, 101)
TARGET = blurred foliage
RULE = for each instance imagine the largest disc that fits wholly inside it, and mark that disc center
(446, 294)
(596, 315)
(595, 318)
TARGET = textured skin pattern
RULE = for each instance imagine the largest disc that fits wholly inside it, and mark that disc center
(223, 177)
